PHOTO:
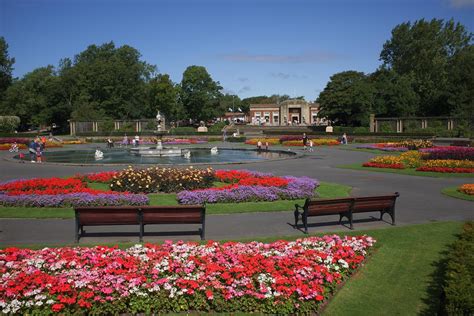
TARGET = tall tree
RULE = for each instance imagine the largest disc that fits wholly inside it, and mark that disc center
(394, 94)
(424, 50)
(164, 96)
(112, 80)
(347, 99)
(6, 67)
(200, 94)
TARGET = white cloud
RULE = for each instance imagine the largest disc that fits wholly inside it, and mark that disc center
(461, 3)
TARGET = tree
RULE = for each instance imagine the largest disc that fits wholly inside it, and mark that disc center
(200, 94)
(347, 99)
(164, 96)
(394, 95)
(6, 67)
(113, 80)
(230, 102)
(424, 50)
(32, 97)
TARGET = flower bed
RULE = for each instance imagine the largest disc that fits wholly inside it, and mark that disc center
(449, 152)
(11, 140)
(399, 146)
(382, 147)
(449, 163)
(284, 277)
(445, 170)
(383, 165)
(248, 186)
(270, 141)
(183, 141)
(156, 179)
(467, 189)
(73, 142)
(56, 192)
(73, 200)
(316, 142)
(101, 177)
(7, 146)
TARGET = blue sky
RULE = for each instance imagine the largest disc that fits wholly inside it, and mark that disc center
(252, 47)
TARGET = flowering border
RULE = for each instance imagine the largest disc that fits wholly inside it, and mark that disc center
(297, 188)
(284, 277)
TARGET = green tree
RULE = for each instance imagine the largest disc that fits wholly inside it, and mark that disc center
(347, 99)
(164, 96)
(230, 102)
(113, 80)
(32, 98)
(6, 67)
(200, 94)
(424, 50)
(394, 95)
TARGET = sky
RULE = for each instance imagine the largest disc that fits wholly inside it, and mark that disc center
(252, 47)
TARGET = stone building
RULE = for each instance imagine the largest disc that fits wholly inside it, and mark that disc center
(290, 112)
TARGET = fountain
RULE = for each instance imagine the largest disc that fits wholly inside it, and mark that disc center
(159, 150)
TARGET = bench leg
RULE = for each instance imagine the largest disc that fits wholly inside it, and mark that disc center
(76, 231)
(350, 221)
(297, 216)
(142, 232)
(305, 223)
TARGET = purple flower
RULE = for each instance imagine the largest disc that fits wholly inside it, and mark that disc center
(73, 200)
(298, 188)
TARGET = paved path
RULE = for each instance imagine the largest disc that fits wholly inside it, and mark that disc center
(420, 201)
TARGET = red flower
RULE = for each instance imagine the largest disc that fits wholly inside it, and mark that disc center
(57, 307)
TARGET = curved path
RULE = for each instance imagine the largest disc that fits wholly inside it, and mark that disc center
(420, 200)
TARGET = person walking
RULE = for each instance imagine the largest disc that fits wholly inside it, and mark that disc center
(305, 141)
(344, 139)
(259, 145)
(32, 150)
(311, 145)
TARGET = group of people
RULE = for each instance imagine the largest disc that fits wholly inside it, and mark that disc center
(36, 149)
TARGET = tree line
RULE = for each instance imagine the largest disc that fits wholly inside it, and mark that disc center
(427, 70)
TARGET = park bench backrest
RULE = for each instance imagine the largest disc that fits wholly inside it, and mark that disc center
(374, 203)
(103, 215)
(327, 206)
(183, 214)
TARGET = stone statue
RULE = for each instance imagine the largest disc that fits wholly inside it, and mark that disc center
(159, 121)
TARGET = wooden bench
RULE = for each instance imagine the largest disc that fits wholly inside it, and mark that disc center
(346, 207)
(139, 215)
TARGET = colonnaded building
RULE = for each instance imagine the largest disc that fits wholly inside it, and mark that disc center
(290, 112)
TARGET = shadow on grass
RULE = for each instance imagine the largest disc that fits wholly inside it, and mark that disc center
(435, 297)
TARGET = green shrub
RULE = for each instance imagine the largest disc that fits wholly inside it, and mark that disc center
(240, 139)
(8, 124)
(217, 127)
(459, 276)
(127, 127)
(106, 126)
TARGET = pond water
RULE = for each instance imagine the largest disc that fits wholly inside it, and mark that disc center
(198, 155)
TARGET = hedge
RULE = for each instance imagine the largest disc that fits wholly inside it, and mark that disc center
(459, 275)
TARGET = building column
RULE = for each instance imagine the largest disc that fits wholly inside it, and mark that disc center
(399, 126)
(372, 127)
(424, 124)
(450, 124)
(72, 128)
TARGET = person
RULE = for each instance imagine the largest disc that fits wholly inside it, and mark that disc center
(344, 139)
(14, 148)
(32, 150)
(305, 141)
(137, 141)
(22, 157)
(125, 141)
(224, 136)
(311, 145)
(110, 143)
(39, 152)
(266, 145)
(259, 145)
(43, 141)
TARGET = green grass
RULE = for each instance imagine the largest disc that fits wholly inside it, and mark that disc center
(408, 172)
(401, 277)
(325, 190)
(453, 192)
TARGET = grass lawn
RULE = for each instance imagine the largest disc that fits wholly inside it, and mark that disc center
(453, 192)
(409, 172)
(325, 190)
(401, 277)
